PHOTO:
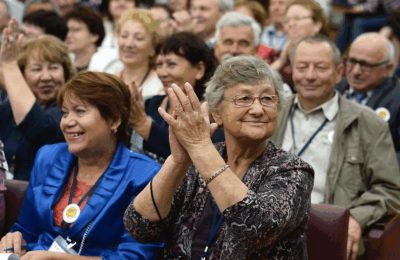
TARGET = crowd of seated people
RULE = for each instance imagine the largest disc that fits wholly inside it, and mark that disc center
(196, 129)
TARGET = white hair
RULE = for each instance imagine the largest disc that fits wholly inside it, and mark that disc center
(237, 20)
(389, 50)
(226, 5)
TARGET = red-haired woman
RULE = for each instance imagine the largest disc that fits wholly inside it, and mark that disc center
(79, 190)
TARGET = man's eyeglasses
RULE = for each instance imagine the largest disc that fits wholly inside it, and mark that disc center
(364, 66)
(296, 19)
(246, 101)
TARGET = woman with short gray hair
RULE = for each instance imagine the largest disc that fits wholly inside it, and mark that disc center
(241, 70)
(240, 199)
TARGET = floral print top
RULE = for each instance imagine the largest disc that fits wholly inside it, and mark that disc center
(269, 223)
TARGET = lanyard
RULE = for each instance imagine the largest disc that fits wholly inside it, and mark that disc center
(143, 80)
(145, 77)
(63, 223)
(216, 223)
(309, 140)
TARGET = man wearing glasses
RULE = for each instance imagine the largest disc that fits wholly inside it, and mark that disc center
(368, 81)
(348, 146)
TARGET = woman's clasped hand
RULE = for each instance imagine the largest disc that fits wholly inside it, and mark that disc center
(190, 122)
(138, 112)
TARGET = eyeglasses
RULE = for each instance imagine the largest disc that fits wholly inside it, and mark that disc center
(246, 101)
(296, 19)
(364, 66)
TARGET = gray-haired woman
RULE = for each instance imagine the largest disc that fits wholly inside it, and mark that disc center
(242, 199)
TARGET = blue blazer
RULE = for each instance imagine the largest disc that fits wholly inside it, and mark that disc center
(126, 176)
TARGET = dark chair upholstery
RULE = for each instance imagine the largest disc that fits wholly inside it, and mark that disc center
(327, 232)
(383, 241)
(13, 198)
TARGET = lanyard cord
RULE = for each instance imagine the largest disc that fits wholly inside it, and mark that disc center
(309, 140)
(143, 80)
(63, 223)
(215, 226)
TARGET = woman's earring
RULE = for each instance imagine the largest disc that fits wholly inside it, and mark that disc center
(115, 130)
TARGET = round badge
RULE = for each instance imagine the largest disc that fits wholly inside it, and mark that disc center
(71, 213)
(331, 134)
(383, 113)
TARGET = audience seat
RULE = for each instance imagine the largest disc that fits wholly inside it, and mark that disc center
(13, 198)
(383, 241)
(327, 232)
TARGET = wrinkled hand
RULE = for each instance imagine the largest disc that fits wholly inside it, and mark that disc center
(138, 112)
(183, 22)
(39, 255)
(192, 125)
(10, 50)
(178, 153)
(353, 240)
(15, 240)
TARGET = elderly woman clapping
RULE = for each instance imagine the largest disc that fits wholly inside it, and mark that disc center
(242, 199)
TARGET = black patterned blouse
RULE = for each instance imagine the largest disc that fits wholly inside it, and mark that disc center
(269, 223)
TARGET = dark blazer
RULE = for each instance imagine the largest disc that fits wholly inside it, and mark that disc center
(22, 142)
(125, 177)
(158, 142)
(388, 96)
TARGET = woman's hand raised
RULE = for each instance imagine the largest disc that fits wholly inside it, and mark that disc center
(11, 42)
(138, 112)
(191, 125)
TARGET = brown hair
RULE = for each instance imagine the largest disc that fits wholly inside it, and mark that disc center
(108, 93)
(48, 48)
(258, 11)
(316, 12)
(148, 21)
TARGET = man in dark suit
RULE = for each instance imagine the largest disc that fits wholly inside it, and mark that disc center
(368, 81)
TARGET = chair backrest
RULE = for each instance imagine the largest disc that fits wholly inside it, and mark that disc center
(14, 197)
(327, 232)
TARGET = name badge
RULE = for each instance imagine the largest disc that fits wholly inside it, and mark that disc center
(60, 245)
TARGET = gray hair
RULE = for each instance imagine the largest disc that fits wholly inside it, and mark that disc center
(225, 5)
(390, 50)
(237, 20)
(244, 69)
(318, 39)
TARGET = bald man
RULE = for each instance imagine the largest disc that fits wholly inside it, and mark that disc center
(368, 68)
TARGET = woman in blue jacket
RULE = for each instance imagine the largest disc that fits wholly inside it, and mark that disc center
(79, 190)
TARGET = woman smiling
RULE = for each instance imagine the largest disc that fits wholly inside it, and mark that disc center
(138, 36)
(241, 199)
(182, 57)
(79, 190)
(33, 75)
